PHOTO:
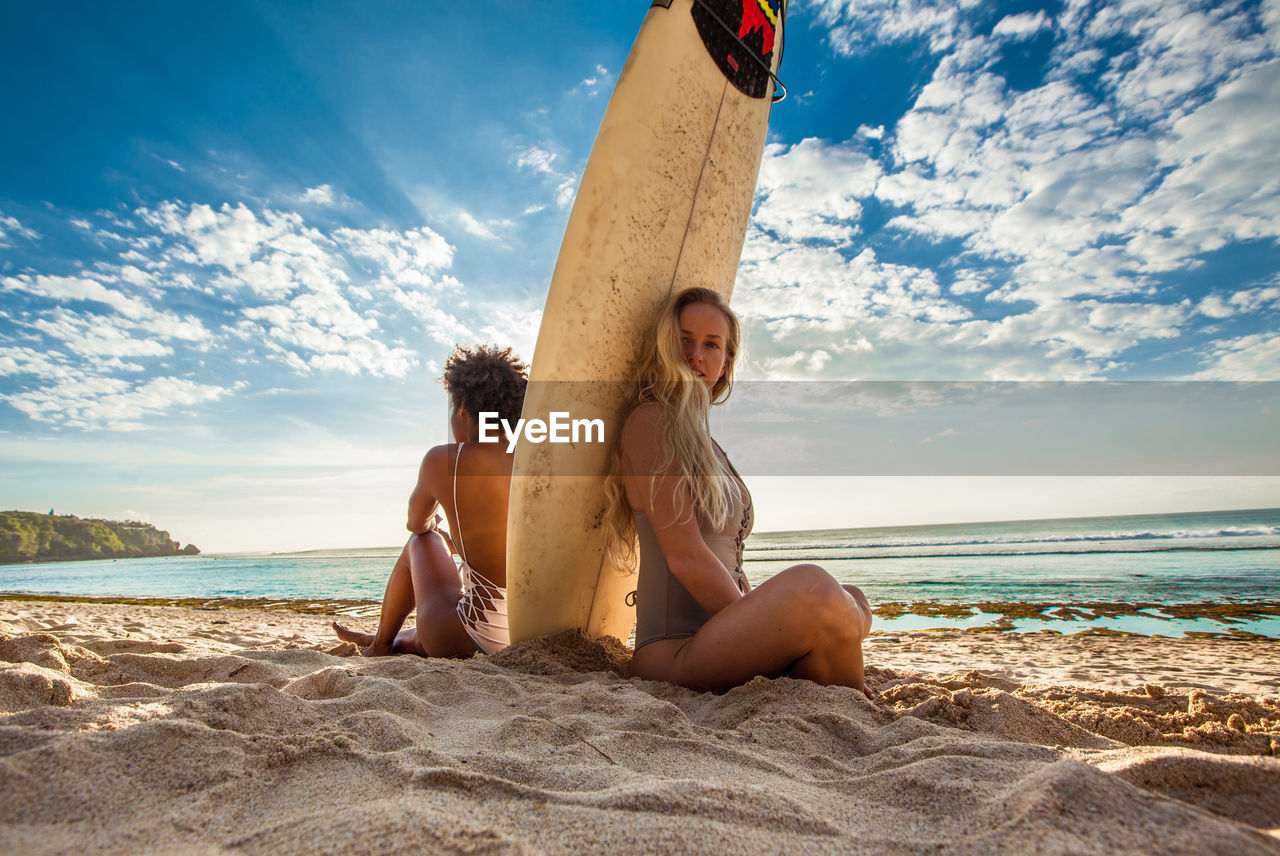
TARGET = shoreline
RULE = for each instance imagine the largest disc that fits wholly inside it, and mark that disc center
(1001, 616)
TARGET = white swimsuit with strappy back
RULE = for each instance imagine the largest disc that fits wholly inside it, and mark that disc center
(483, 607)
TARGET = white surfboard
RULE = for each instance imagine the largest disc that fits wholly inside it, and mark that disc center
(662, 205)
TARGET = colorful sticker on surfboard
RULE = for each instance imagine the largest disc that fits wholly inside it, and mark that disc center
(741, 36)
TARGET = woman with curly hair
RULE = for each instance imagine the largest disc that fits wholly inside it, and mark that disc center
(460, 609)
(699, 623)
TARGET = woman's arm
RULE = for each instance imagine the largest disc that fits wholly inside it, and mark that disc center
(669, 508)
(422, 516)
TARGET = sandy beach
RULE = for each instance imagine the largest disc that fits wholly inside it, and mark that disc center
(127, 728)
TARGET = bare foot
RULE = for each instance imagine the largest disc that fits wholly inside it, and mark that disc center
(346, 634)
(364, 640)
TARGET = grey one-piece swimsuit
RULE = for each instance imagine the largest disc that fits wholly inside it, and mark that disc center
(664, 607)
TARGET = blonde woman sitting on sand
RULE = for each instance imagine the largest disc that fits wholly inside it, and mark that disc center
(698, 621)
(460, 609)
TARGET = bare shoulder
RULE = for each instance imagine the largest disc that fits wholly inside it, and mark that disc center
(645, 421)
(478, 459)
(437, 464)
(441, 455)
(642, 438)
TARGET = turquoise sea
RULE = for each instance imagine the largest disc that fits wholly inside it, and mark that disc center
(1094, 566)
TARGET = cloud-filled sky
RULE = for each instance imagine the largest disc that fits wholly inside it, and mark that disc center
(237, 240)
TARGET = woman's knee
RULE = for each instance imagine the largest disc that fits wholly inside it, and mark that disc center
(431, 561)
(811, 579)
(430, 540)
(826, 603)
(814, 579)
(863, 605)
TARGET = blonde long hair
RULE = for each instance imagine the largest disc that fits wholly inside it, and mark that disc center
(663, 377)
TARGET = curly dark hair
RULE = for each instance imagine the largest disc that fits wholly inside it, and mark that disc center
(486, 379)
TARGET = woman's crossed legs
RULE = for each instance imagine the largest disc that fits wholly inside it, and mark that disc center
(800, 623)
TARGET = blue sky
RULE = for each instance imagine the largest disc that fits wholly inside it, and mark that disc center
(237, 240)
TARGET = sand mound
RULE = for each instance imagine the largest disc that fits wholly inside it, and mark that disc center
(568, 653)
(1244, 789)
(186, 742)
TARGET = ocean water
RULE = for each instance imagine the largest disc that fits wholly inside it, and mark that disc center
(1220, 557)
(1149, 561)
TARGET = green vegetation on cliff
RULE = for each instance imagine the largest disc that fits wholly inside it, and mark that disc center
(28, 536)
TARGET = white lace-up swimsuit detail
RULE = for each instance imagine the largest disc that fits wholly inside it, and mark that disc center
(483, 607)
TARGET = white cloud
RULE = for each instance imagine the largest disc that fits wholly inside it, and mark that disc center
(71, 288)
(99, 336)
(812, 190)
(102, 402)
(1271, 22)
(443, 327)
(325, 327)
(267, 287)
(941, 435)
(475, 227)
(786, 280)
(537, 160)
(565, 192)
(130, 274)
(1214, 306)
(229, 237)
(1140, 320)
(167, 325)
(594, 83)
(857, 26)
(325, 196)
(1021, 26)
(969, 282)
(514, 326)
(871, 318)
(1070, 201)
(12, 225)
(482, 228)
(1246, 301)
(1224, 162)
(401, 255)
(366, 356)
(1048, 169)
(319, 195)
(1255, 357)
(1178, 48)
(800, 365)
(28, 361)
